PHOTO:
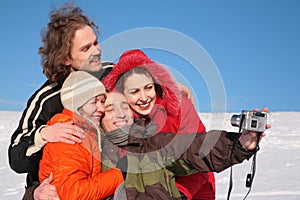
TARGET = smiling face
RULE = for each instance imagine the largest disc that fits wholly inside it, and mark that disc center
(117, 112)
(93, 109)
(139, 91)
(85, 51)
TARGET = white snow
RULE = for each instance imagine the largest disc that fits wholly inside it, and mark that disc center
(278, 163)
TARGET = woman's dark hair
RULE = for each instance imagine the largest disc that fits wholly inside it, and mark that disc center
(120, 84)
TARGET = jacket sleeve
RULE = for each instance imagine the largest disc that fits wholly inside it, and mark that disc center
(42, 105)
(73, 173)
(214, 151)
(29, 191)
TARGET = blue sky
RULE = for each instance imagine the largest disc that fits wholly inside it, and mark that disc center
(250, 49)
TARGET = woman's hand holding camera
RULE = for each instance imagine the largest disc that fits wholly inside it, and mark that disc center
(248, 139)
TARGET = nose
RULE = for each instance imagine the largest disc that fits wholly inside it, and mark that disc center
(97, 49)
(100, 107)
(143, 96)
(119, 113)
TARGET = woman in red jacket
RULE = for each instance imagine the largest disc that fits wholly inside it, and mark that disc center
(153, 95)
(77, 167)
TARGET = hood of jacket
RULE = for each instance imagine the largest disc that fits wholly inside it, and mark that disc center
(130, 59)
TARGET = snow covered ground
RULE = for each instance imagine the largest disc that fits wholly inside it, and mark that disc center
(278, 163)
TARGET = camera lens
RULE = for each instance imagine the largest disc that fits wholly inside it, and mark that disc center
(235, 120)
(254, 124)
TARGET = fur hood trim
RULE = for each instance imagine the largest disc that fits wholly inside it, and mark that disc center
(136, 58)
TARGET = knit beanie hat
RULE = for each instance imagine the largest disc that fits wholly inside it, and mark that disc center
(78, 88)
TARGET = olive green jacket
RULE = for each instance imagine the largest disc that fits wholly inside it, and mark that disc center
(153, 160)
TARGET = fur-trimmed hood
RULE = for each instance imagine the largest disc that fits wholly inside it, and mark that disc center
(137, 58)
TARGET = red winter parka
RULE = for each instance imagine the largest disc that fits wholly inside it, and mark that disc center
(77, 168)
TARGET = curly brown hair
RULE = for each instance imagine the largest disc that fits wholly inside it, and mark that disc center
(57, 40)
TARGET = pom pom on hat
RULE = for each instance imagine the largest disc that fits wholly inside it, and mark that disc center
(78, 88)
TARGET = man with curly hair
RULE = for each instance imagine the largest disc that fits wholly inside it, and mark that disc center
(70, 43)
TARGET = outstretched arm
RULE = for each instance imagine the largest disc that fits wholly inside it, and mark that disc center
(214, 151)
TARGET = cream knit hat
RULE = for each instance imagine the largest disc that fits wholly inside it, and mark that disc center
(78, 88)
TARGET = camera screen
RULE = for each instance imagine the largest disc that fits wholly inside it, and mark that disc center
(253, 123)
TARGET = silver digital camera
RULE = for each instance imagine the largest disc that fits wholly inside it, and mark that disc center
(250, 120)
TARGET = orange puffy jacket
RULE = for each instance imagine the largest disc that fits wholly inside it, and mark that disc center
(77, 168)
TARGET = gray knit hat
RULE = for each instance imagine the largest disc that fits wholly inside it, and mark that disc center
(78, 88)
